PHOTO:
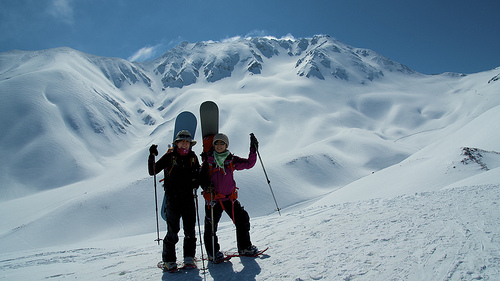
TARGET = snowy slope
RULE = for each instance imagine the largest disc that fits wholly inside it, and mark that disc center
(61, 116)
(358, 148)
(438, 165)
(441, 235)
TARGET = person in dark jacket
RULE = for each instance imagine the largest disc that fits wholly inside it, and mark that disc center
(181, 168)
(220, 194)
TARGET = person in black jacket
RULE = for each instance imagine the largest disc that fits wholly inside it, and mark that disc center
(181, 168)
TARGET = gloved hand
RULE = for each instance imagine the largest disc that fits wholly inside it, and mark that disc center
(208, 192)
(204, 156)
(209, 189)
(253, 142)
(153, 150)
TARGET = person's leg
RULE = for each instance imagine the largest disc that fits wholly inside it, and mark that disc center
(208, 228)
(242, 223)
(171, 238)
(189, 227)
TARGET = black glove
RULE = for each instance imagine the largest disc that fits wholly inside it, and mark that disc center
(153, 150)
(209, 189)
(253, 142)
(204, 156)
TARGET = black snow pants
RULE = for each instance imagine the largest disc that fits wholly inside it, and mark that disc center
(177, 209)
(241, 220)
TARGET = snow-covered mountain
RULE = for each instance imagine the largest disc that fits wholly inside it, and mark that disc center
(65, 110)
(318, 57)
(336, 124)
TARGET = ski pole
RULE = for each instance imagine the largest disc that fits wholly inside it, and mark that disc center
(213, 224)
(156, 203)
(199, 227)
(268, 181)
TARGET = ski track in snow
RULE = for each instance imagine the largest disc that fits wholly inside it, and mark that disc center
(443, 235)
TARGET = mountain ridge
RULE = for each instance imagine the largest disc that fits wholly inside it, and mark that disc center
(83, 109)
(314, 58)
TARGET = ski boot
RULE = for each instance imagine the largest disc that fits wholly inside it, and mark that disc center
(189, 262)
(250, 251)
(169, 266)
(219, 257)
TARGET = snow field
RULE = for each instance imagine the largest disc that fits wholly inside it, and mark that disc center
(442, 235)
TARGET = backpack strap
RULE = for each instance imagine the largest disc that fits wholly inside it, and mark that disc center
(233, 196)
(212, 169)
(174, 163)
(192, 161)
(218, 197)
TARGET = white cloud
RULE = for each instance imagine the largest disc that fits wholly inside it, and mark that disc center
(265, 34)
(256, 33)
(232, 39)
(252, 34)
(289, 36)
(145, 53)
(62, 10)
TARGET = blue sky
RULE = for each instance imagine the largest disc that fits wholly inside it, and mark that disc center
(429, 36)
